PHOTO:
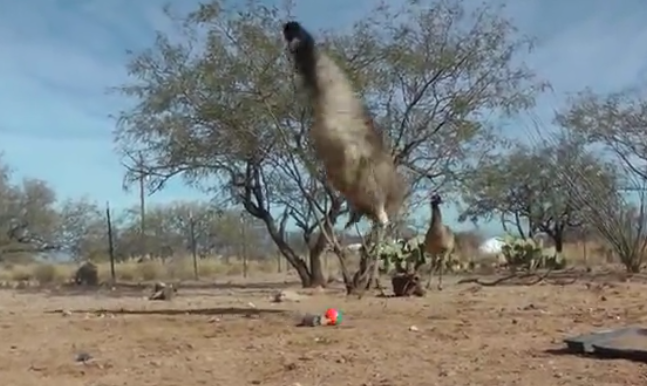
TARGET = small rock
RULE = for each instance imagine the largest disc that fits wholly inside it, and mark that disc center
(446, 373)
(286, 296)
(83, 357)
(414, 328)
(162, 292)
(66, 313)
(36, 368)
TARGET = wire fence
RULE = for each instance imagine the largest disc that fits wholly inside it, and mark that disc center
(245, 264)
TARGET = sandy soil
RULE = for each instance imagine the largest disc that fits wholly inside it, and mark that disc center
(462, 336)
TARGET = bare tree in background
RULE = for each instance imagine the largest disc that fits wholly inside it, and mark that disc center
(526, 189)
(615, 125)
(28, 218)
(81, 230)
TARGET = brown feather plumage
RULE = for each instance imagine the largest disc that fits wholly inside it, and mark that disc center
(440, 241)
(357, 161)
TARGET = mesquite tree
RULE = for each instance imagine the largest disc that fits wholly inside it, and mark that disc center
(221, 107)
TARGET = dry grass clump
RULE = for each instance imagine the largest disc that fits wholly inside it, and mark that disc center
(591, 254)
(44, 273)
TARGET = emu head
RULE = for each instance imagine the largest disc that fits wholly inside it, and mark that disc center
(436, 199)
(300, 43)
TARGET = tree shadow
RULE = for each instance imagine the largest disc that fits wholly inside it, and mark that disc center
(119, 290)
(272, 285)
(71, 291)
(569, 276)
(235, 311)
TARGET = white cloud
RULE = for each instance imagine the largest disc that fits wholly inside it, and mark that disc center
(604, 52)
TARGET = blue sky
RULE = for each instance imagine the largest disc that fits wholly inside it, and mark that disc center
(59, 56)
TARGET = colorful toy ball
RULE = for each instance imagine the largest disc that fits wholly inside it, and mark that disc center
(333, 317)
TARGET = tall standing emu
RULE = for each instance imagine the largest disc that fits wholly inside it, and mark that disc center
(440, 241)
(356, 160)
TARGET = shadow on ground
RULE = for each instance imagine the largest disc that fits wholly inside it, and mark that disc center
(564, 351)
(87, 291)
(235, 311)
(144, 288)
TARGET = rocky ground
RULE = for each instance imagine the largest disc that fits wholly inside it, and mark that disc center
(465, 335)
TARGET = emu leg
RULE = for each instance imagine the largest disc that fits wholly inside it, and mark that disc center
(432, 265)
(380, 232)
(374, 278)
(443, 259)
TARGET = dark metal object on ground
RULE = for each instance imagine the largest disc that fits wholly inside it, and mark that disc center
(310, 320)
(626, 343)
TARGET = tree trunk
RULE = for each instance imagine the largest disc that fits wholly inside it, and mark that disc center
(559, 243)
(341, 257)
(317, 278)
(304, 274)
(312, 277)
(362, 278)
(309, 277)
(298, 263)
(316, 268)
(634, 266)
(317, 250)
(295, 261)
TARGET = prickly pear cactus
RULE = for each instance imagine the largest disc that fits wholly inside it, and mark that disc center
(528, 254)
(408, 256)
(401, 255)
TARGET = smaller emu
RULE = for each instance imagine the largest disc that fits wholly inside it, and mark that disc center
(439, 241)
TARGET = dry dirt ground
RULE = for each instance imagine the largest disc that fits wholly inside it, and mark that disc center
(463, 336)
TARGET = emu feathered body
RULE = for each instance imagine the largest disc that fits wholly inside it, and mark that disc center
(356, 160)
(439, 241)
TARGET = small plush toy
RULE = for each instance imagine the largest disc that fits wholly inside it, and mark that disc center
(333, 317)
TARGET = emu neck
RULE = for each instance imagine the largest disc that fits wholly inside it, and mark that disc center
(307, 67)
(436, 217)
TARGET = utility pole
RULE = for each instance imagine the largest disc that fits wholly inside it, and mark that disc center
(142, 203)
(194, 245)
(111, 247)
(243, 232)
